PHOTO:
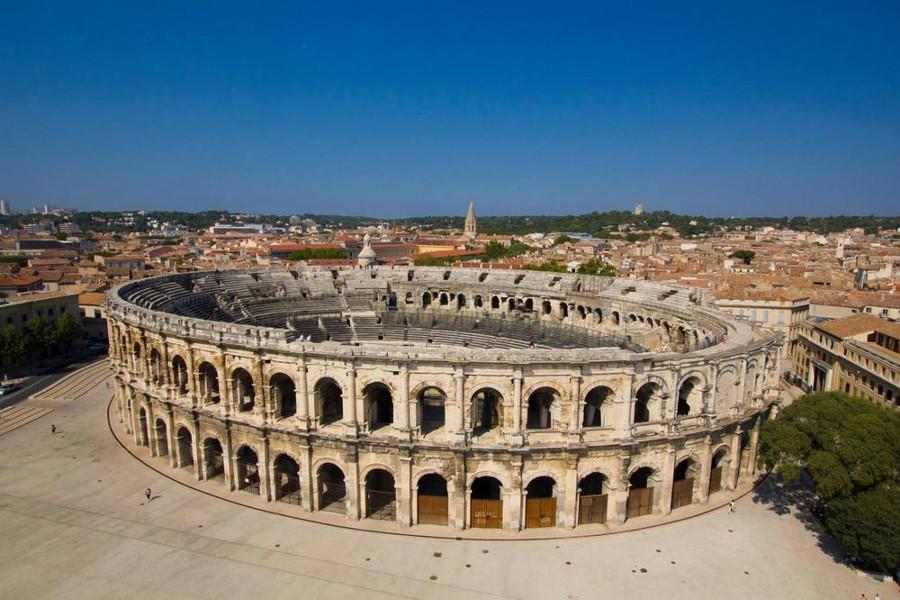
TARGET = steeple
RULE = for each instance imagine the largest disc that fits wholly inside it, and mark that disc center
(470, 230)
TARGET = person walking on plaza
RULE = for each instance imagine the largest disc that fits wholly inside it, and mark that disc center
(52, 428)
(731, 506)
(148, 493)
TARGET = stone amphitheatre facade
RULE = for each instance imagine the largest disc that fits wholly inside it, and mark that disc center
(455, 397)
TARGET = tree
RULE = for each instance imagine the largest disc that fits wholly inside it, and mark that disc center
(851, 449)
(551, 267)
(12, 345)
(311, 253)
(40, 336)
(596, 267)
(744, 255)
(68, 329)
(564, 239)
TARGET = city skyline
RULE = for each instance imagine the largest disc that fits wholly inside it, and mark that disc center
(703, 111)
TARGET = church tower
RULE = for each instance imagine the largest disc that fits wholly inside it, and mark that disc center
(470, 231)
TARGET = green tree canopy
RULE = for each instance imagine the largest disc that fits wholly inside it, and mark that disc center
(851, 449)
(595, 266)
(311, 253)
(744, 255)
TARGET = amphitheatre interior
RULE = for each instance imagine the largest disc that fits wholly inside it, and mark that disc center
(456, 397)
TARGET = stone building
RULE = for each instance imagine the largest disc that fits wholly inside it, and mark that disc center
(458, 397)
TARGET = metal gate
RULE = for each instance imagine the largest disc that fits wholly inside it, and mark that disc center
(215, 465)
(433, 510)
(682, 493)
(487, 514)
(540, 512)
(332, 497)
(715, 480)
(290, 488)
(248, 474)
(640, 502)
(592, 509)
(381, 506)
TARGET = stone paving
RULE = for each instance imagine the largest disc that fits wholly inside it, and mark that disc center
(75, 524)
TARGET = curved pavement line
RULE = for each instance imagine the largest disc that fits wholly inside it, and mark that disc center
(458, 535)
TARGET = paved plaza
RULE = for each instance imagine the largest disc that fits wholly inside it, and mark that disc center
(75, 524)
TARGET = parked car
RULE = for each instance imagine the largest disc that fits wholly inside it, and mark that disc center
(8, 388)
(97, 348)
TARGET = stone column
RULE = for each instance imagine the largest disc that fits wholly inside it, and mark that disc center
(705, 470)
(260, 388)
(351, 480)
(401, 403)
(668, 481)
(618, 494)
(350, 421)
(575, 403)
(304, 408)
(403, 488)
(735, 466)
(627, 406)
(195, 450)
(228, 464)
(754, 447)
(517, 401)
(570, 500)
(307, 479)
(265, 476)
(170, 436)
(459, 378)
(742, 385)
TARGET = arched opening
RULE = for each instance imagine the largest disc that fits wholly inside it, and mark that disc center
(432, 500)
(214, 459)
(392, 300)
(542, 403)
(598, 315)
(381, 496)
(511, 304)
(379, 405)
(615, 317)
(726, 390)
(287, 479)
(478, 302)
(245, 394)
(247, 470)
(744, 465)
(209, 383)
(138, 360)
(460, 301)
(144, 434)
(332, 489)
(581, 313)
(329, 400)
(408, 298)
(563, 310)
(594, 406)
(284, 395)
(156, 367)
(593, 499)
(444, 299)
(486, 410)
(495, 302)
(646, 400)
(720, 461)
(426, 299)
(431, 409)
(162, 441)
(486, 504)
(683, 483)
(185, 445)
(690, 397)
(640, 493)
(180, 373)
(540, 503)
(546, 307)
(529, 304)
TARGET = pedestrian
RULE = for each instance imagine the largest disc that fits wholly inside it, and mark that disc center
(731, 506)
(52, 428)
(877, 596)
(148, 493)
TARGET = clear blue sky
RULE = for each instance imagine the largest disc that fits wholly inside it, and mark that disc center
(398, 109)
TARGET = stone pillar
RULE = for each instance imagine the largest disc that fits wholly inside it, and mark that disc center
(575, 403)
(754, 447)
(702, 495)
(517, 401)
(350, 421)
(228, 464)
(195, 450)
(617, 510)
(513, 499)
(668, 480)
(742, 385)
(308, 497)
(304, 407)
(401, 403)
(260, 388)
(735, 464)
(403, 488)
(263, 466)
(351, 480)
(626, 406)
(459, 378)
(170, 437)
(570, 500)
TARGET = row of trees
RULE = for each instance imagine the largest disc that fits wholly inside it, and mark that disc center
(850, 447)
(312, 253)
(38, 339)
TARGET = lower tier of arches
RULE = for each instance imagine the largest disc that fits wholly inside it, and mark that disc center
(571, 488)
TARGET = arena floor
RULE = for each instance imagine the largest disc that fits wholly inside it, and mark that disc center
(75, 524)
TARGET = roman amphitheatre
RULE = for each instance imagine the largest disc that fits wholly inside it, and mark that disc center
(451, 400)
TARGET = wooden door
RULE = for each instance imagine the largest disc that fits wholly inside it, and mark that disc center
(592, 509)
(540, 512)
(715, 480)
(433, 510)
(682, 493)
(487, 514)
(640, 502)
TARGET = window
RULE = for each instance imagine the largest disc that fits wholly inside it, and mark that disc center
(765, 316)
(781, 317)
